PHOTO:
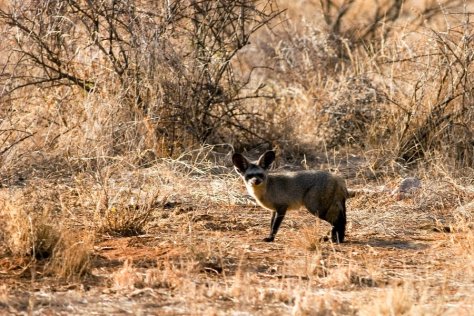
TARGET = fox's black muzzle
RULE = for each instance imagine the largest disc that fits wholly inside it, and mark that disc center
(255, 181)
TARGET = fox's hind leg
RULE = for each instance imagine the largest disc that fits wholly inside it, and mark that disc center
(335, 215)
(339, 224)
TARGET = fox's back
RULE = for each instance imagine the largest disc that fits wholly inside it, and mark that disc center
(298, 179)
(291, 188)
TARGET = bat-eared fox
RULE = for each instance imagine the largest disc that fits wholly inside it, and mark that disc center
(321, 192)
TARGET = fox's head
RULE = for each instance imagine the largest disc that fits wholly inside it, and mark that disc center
(253, 173)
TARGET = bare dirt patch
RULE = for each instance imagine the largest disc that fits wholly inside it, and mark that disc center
(208, 258)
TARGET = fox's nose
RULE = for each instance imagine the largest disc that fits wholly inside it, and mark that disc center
(255, 181)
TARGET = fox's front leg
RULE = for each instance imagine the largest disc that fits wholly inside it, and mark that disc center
(277, 218)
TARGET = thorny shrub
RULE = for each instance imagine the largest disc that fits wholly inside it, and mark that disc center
(94, 80)
(125, 75)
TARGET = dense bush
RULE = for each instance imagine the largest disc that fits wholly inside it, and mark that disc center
(128, 75)
(101, 79)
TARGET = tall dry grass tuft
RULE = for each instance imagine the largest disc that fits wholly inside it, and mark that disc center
(72, 255)
(121, 208)
(310, 237)
(125, 221)
(393, 301)
(28, 235)
(126, 277)
(35, 232)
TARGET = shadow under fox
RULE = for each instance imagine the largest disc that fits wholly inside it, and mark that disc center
(321, 192)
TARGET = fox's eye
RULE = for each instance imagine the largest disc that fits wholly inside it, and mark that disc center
(260, 176)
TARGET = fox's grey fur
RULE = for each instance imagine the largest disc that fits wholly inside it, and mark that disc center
(321, 192)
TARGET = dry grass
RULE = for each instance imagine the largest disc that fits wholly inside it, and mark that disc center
(201, 253)
(113, 201)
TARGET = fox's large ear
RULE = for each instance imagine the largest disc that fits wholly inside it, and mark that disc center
(266, 159)
(240, 162)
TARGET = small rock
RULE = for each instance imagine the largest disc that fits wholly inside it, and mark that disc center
(407, 187)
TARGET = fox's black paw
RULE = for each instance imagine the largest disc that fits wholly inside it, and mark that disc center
(337, 240)
(269, 239)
